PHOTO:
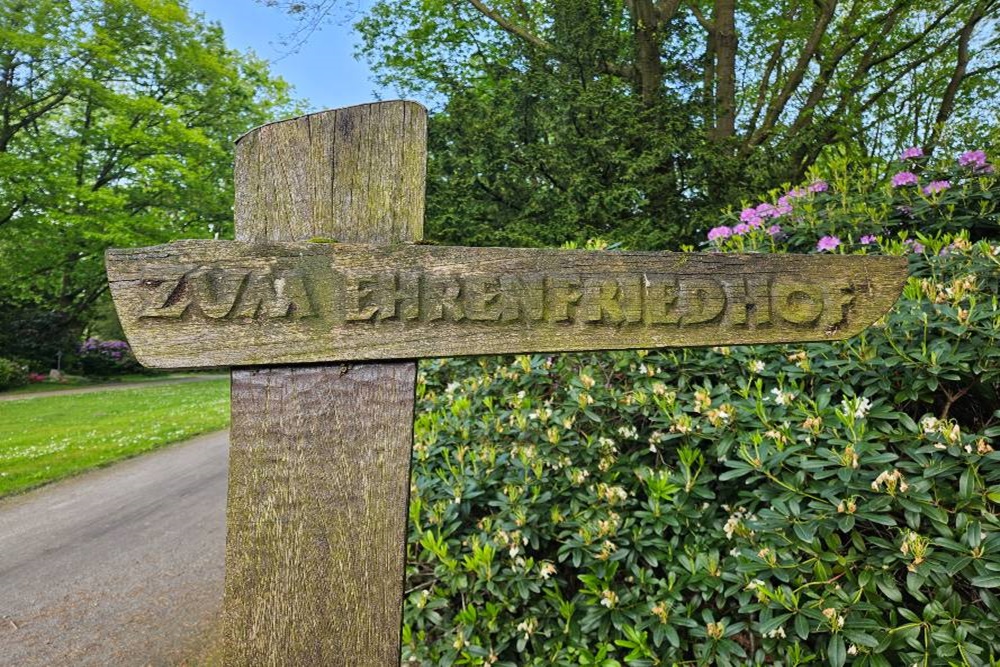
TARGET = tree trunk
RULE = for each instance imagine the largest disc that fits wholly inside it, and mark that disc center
(725, 44)
(648, 61)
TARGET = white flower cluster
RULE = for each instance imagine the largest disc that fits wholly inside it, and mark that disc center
(628, 432)
(893, 481)
(782, 397)
(655, 438)
(612, 494)
(528, 627)
(734, 524)
(947, 429)
(858, 406)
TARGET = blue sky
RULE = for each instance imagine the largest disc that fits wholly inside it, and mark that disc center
(323, 71)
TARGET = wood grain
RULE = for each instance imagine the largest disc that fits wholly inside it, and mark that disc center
(210, 303)
(320, 455)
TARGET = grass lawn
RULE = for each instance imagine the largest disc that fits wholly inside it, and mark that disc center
(48, 438)
(78, 381)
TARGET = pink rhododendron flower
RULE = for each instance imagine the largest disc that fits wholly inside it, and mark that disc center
(914, 246)
(935, 187)
(765, 210)
(720, 232)
(827, 243)
(912, 152)
(741, 229)
(774, 230)
(818, 186)
(904, 178)
(748, 215)
(974, 159)
(868, 239)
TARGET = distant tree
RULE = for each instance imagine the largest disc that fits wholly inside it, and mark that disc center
(637, 120)
(117, 119)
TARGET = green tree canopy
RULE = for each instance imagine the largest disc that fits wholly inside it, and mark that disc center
(117, 119)
(636, 120)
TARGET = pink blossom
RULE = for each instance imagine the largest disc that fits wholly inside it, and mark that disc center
(774, 230)
(741, 229)
(720, 232)
(783, 208)
(748, 215)
(936, 186)
(912, 152)
(765, 210)
(904, 178)
(868, 239)
(974, 159)
(914, 246)
(827, 243)
(818, 186)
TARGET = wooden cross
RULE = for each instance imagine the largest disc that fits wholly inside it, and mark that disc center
(326, 271)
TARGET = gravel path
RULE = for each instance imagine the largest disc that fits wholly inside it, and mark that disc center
(122, 566)
(110, 387)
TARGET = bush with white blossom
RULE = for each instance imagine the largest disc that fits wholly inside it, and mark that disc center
(771, 505)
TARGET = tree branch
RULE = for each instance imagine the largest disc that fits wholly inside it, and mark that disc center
(666, 9)
(705, 23)
(511, 27)
(777, 106)
(958, 76)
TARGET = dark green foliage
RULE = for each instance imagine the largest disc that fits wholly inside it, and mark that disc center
(12, 373)
(782, 505)
(106, 358)
(37, 336)
(562, 120)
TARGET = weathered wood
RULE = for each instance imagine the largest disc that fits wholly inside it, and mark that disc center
(320, 456)
(210, 303)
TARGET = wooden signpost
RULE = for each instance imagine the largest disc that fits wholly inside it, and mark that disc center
(325, 272)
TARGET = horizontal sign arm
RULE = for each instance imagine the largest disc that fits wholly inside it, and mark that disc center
(196, 304)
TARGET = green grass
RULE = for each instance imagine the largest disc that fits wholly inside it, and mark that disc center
(51, 437)
(79, 381)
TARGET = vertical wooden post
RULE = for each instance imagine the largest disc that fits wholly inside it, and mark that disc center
(320, 455)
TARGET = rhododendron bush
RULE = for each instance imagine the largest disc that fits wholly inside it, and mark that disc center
(784, 505)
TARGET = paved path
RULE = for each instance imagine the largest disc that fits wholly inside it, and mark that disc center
(122, 566)
(109, 387)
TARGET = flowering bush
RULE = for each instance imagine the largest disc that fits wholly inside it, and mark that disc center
(782, 505)
(854, 207)
(102, 358)
(12, 373)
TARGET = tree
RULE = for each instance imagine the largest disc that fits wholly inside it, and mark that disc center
(637, 120)
(117, 119)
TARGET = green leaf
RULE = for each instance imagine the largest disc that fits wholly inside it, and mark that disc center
(802, 625)
(836, 651)
(986, 581)
(889, 588)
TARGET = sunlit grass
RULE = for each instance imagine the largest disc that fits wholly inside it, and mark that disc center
(48, 438)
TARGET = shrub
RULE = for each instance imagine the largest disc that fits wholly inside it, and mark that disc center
(103, 358)
(784, 505)
(37, 336)
(12, 374)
